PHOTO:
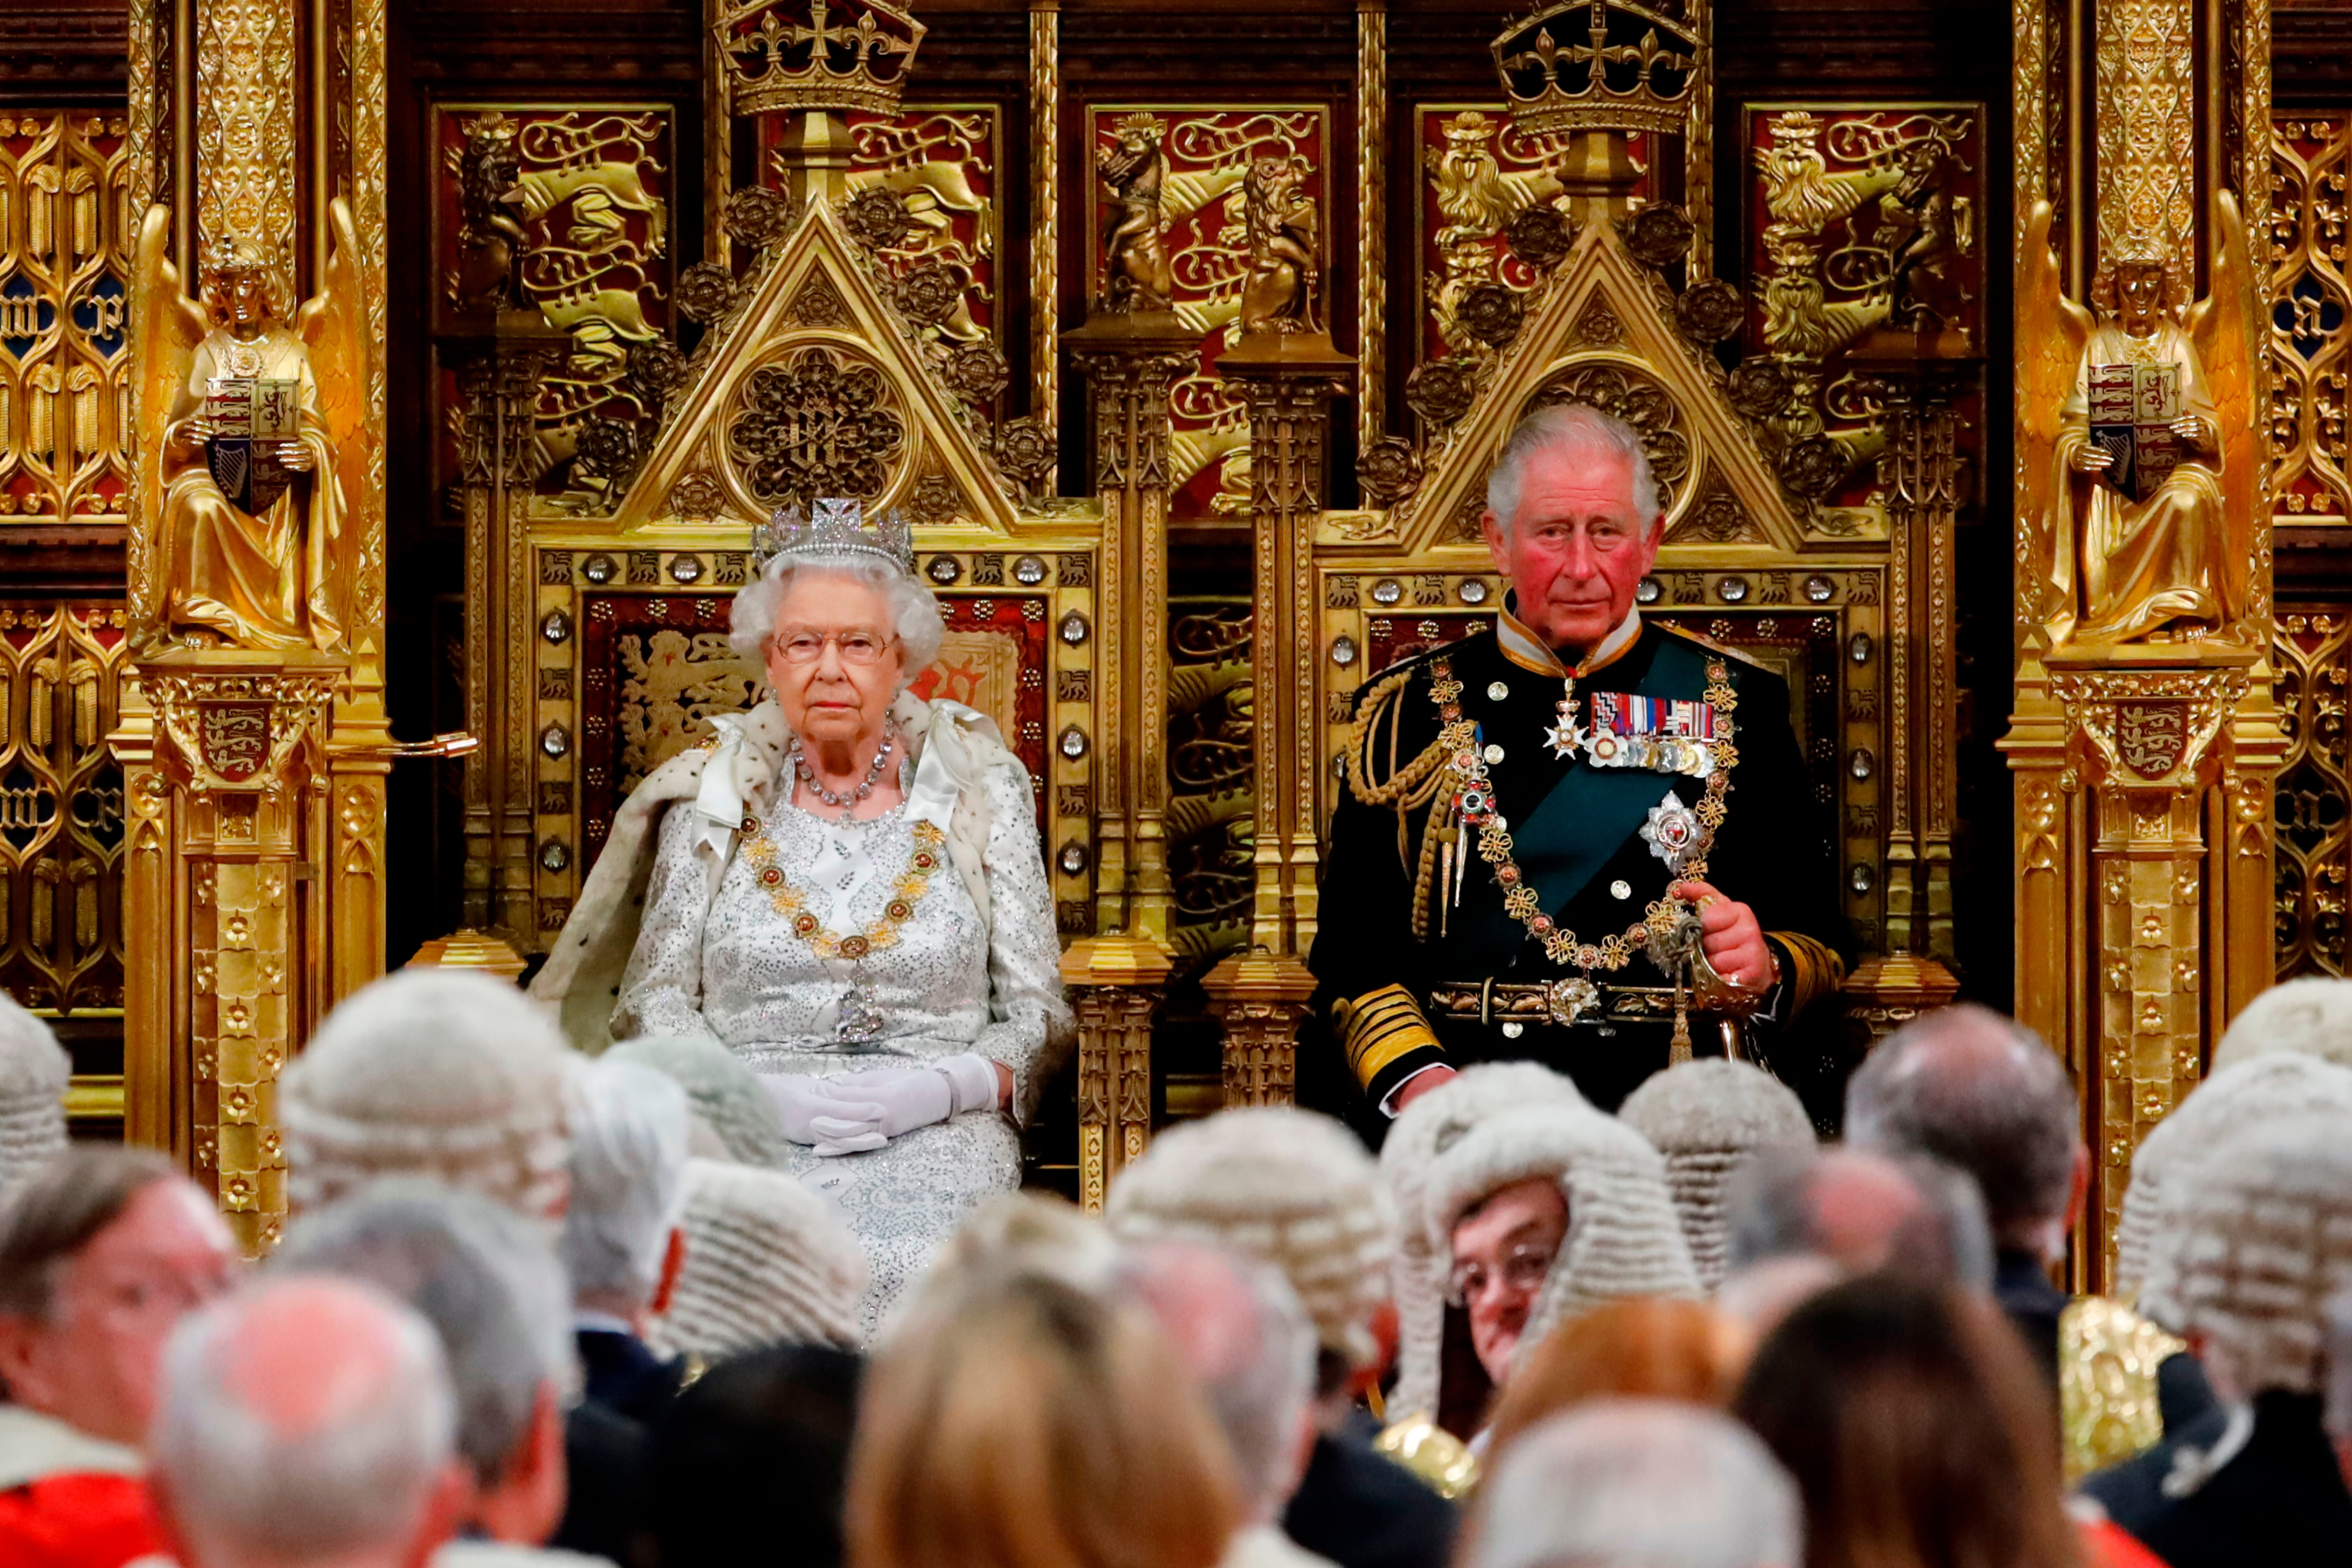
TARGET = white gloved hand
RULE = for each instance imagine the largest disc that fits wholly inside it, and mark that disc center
(916, 1097)
(812, 1114)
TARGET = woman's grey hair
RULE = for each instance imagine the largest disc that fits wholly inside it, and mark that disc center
(1575, 430)
(252, 1486)
(1640, 1481)
(484, 1278)
(914, 610)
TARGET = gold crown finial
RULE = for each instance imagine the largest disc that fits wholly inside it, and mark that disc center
(1599, 65)
(783, 55)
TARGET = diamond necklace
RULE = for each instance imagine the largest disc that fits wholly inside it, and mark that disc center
(846, 801)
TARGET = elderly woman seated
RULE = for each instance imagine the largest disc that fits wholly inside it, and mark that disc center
(844, 887)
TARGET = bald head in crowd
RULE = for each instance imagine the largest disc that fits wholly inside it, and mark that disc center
(305, 1424)
(1860, 1211)
(1980, 1091)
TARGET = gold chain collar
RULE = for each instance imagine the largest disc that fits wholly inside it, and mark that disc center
(1472, 804)
(908, 892)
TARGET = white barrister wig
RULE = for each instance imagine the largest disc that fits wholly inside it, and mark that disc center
(2262, 1240)
(725, 1092)
(1422, 1131)
(768, 1261)
(1706, 1116)
(2252, 1093)
(1624, 1238)
(34, 1073)
(2308, 1016)
(434, 1073)
(1292, 1188)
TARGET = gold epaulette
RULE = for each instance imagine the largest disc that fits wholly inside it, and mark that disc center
(1431, 1452)
(1813, 970)
(2107, 1406)
(1376, 775)
(1709, 643)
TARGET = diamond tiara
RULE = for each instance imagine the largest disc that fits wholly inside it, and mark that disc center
(839, 528)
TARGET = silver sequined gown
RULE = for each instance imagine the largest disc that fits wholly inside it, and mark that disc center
(737, 971)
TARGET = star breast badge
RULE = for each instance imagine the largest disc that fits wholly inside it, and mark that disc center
(1672, 832)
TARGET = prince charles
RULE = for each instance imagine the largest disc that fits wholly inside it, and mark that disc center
(1551, 847)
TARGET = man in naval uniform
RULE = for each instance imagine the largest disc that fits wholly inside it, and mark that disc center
(1545, 825)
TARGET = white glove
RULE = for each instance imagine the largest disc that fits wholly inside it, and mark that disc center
(916, 1097)
(811, 1113)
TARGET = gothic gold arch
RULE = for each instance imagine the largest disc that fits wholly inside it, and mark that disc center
(870, 419)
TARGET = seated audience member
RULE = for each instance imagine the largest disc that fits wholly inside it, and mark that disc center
(722, 1088)
(33, 1073)
(1643, 1349)
(2310, 1015)
(1759, 1296)
(1018, 1421)
(1032, 1232)
(623, 1243)
(1706, 1116)
(1918, 1431)
(490, 1285)
(767, 1262)
(753, 1452)
(306, 1423)
(1863, 1212)
(1544, 1211)
(102, 1251)
(1983, 1093)
(1296, 1190)
(2253, 1249)
(433, 1073)
(1638, 1483)
(2254, 1092)
(1240, 1330)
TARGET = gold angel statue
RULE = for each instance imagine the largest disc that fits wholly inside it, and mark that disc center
(252, 428)
(2141, 476)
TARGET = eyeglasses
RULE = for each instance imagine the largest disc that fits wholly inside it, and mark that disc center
(854, 647)
(1522, 1271)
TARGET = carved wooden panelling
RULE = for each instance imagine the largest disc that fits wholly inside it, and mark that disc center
(60, 804)
(2312, 651)
(1208, 151)
(1859, 218)
(1212, 787)
(1478, 172)
(2309, 299)
(598, 262)
(65, 395)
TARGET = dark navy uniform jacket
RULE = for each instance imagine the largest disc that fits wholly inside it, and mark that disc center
(1576, 835)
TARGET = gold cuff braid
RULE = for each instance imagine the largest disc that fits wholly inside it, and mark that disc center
(1379, 1028)
(1813, 970)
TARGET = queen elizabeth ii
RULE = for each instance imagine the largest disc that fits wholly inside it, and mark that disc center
(844, 887)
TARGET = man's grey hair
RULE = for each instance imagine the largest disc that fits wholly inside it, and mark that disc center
(1574, 430)
(242, 1483)
(1640, 1483)
(1775, 1212)
(628, 1182)
(1971, 1086)
(486, 1279)
(1240, 1327)
(721, 1088)
(913, 609)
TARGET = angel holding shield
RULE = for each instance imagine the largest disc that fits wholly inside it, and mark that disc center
(2142, 463)
(240, 478)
